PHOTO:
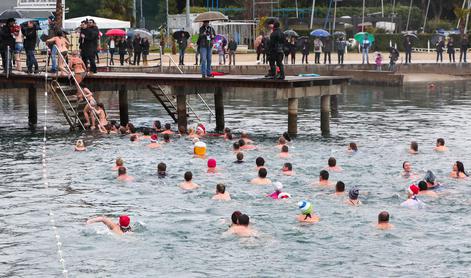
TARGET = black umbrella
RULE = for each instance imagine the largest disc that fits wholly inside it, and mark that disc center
(291, 33)
(10, 14)
(178, 34)
(35, 24)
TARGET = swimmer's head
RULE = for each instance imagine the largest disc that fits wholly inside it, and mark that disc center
(383, 217)
(161, 169)
(211, 163)
(286, 136)
(324, 175)
(200, 129)
(220, 188)
(281, 140)
(353, 193)
(167, 126)
(262, 173)
(188, 176)
(153, 138)
(124, 223)
(199, 148)
(229, 136)
(287, 166)
(146, 131)
(119, 161)
(123, 130)
(121, 171)
(353, 146)
(259, 161)
(430, 177)
(235, 217)
(236, 146)
(244, 134)
(284, 149)
(79, 143)
(241, 142)
(240, 157)
(133, 138)
(166, 137)
(422, 186)
(414, 146)
(277, 186)
(440, 142)
(227, 130)
(406, 166)
(131, 128)
(157, 125)
(244, 220)
(340, 186)
(191, 131)
(305, 207)
(332, 162)
(460, 167)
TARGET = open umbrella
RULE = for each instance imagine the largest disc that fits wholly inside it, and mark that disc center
(291, 33)
(10, 14)
(178, 34)
(143, 33)
(436, 37)
(361, 35)
(339, 34)
(210, 16)
(115, 33)
(320, 33)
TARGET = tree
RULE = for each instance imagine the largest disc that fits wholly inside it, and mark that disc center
(461, 15)
(117, 9)
(59, 13)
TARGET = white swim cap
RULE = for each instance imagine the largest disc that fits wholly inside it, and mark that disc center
(278, 186)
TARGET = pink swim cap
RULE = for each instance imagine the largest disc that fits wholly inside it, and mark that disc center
(212, 163)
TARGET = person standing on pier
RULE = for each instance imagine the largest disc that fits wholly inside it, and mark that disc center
(137, 45)
(206, 36)
(232, 47)
(450, 49)
(408, 49)
(365, 48)
(317, 50)
(327, 50)
(277, 41)
(111, 49)
(90, 44)
(305, 50)
(145, 50)
(31, 36)
(7, 44)
(341, 45)
(440, 46)
(182, 44)
(292, 50)
(464, 48)
(121, 50)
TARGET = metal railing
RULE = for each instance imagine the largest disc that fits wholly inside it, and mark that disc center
(170, 61)
(70, 104)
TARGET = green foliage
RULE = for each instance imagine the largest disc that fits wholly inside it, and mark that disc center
(436, 23)
(117, 9)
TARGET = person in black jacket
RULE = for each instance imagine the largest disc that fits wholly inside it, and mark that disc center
(31, 36)
(145, 50)
(90, 44)
(7, 45)
(450, 49)
(440, 45)
(292, 50)
(122, 46)
(182, 44)
(305, 50)
(408, 49)
(205, 38)
(286, 50)
(327, 49)
(137, 46)
(232, 47)
(275, 49)
(464, 48)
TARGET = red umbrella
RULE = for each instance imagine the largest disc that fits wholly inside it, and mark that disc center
(115, 33)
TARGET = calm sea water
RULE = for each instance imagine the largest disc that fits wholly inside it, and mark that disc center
(181, 234)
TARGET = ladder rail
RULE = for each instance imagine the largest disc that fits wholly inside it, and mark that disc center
(70, 104)
(171, 114)
(205, 103)
(62, 107)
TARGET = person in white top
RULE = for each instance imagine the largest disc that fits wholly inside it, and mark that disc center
(412, 201)
(18, 46)
(111, 49)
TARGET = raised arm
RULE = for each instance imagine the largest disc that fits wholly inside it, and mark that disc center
(105, 220)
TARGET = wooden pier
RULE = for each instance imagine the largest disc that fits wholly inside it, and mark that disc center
(291, 89)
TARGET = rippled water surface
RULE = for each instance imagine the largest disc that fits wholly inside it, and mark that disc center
(181, 234)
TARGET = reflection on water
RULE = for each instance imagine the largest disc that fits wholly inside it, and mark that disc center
(182, 233)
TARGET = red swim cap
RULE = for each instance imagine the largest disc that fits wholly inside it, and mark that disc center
(153, 137)
(212, 163)
(414, 189)
(124, 221)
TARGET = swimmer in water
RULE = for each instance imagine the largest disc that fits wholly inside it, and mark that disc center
(458, 171)
(235, 218)
(423, 190)
(245, 136)
(352, 147)
(240, 158)
(153, 142)
(236, 147)
(244, 146)
(353, 197)
(188, 184)
(430, 179)
(383, 221)
(168, 129)
(278, 194)
(201, 130)
(212, 165)
(221, 193)
(332, 165)
(284, 152)
(242, 229)
(287, 169)
(414, 148)
(119, 162)
(130, 129)
(157, 127)
(262, 178)
(80, 146)
(281, 142)
(161, 170)
(407, 171)
(286, 136)
(133, 138)
(440, 147)
(120, 228)
(260, 162)
(166, 138)
(122, 175)
(146, 133)
(192, 134)
(227, 134)
(339, 188)
(324, 179)
(306, 215)
(412, 201)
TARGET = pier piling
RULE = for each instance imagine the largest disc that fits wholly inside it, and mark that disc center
(123, 106)
(219, 106)
(33, 108)
(325, 115)
(181, 109)
(293, 116)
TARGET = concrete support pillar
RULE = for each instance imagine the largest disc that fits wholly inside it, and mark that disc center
(219, 106)
(292, 116)
(334, 111)
(123, 106)
(33, 108)
(325, 115)
(181, 109)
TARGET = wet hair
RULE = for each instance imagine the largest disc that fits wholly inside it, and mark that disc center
(121, 171)
(157, 124)
(108, 128)
(167, 126)
(123, 130)
(236, 146)
(244, 220)
(460, 167)
(353, 146)
(220, 188)
(281, 140)
(102, 106)
(404, 164)
(167, 137)
(441, 142)
(182, 130)
(286, 136)
(229, 135)
(133, 138)
(240, 156)
(288, 165)
(244, 135)
(276, 24)
(161, 167)
(227, 130)
(383, 216)
(131, 128)
(340, 186)
(284, 149)
(119, 161)
(324, 175)
(146, 131)
(414, 146)
(332, 162)
(241, 142)
(422, 186)
(235, 217)
(259, 161)
(188, 176)
(262, 173)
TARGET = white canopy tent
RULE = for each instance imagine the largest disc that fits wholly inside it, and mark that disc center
(102, 23)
